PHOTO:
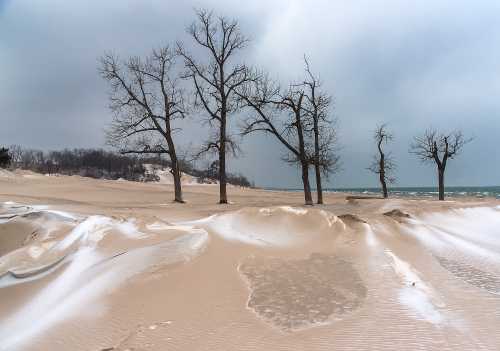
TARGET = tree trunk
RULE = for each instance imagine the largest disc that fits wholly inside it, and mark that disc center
(441, 183)
(319, 188)
(176, 173)
(305, 181)
(384, 186)
(222, 163)
(382, 175)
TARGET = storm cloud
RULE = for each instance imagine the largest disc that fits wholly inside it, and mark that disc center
(410, 64)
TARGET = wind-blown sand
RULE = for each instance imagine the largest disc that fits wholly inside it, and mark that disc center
(114, 265)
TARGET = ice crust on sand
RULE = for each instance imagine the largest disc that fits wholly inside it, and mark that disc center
(88, 273)
(465, 241)
(14, 210)
(370, 235)
(274, 226)
(37, 257)
(478, 225)
(416, 294)
(94, 229)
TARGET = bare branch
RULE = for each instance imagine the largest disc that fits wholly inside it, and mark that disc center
(216, 80)
(438, 148)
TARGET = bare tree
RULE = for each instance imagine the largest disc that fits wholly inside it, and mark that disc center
(268, 103)
(146, 98)
(383, 164)
(16, 153)
(325, 159)
(329, 159)
(438, 148)
(216, 80)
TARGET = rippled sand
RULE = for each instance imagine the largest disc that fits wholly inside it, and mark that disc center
(102, 265)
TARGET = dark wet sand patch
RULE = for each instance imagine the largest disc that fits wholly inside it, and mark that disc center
(351, 219)
(397, 215)
(471, 275)
(298, 294)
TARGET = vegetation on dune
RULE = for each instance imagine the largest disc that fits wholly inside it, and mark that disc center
(102, 164)
(5, 157)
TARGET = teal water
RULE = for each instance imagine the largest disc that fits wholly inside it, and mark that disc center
(452, 191)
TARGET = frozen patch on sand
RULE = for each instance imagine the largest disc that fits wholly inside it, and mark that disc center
(370, 236)
(299, 294)
(94, 229)
(62, 214)
(295, 210)
(36, 251)
(163, 226)
(416, 295)
(42, 254)
(466, 242)
(10, 210)
(478, 225)
(275, 226)
(158, 226)
(89, 275)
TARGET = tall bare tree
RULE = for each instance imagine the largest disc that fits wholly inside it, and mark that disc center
(268, 103)
(383, 164)
(215, 81)
(325, 159)
(146, 98)
(438, 148)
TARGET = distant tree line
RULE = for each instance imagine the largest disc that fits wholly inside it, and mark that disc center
(5, 157)
(102, 164)
(84, 162)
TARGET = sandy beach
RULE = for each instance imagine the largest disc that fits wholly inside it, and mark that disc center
(115, 265)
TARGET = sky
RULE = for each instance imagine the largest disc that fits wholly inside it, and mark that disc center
(411, 64)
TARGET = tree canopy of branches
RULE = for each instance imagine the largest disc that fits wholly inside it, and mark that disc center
(5, 157)
(268, 104)
(325, 158)
(215, 81)
(438, 148)
(146, 98)
(298, 117)
(383, 164)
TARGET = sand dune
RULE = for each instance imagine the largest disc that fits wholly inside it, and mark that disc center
(101, 265)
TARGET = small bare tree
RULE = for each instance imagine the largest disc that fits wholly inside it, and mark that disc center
(383, 164)
(215, 81)
(146, 98)
(438, 148)
(16, 153)
(268, 103)
(325, 159)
